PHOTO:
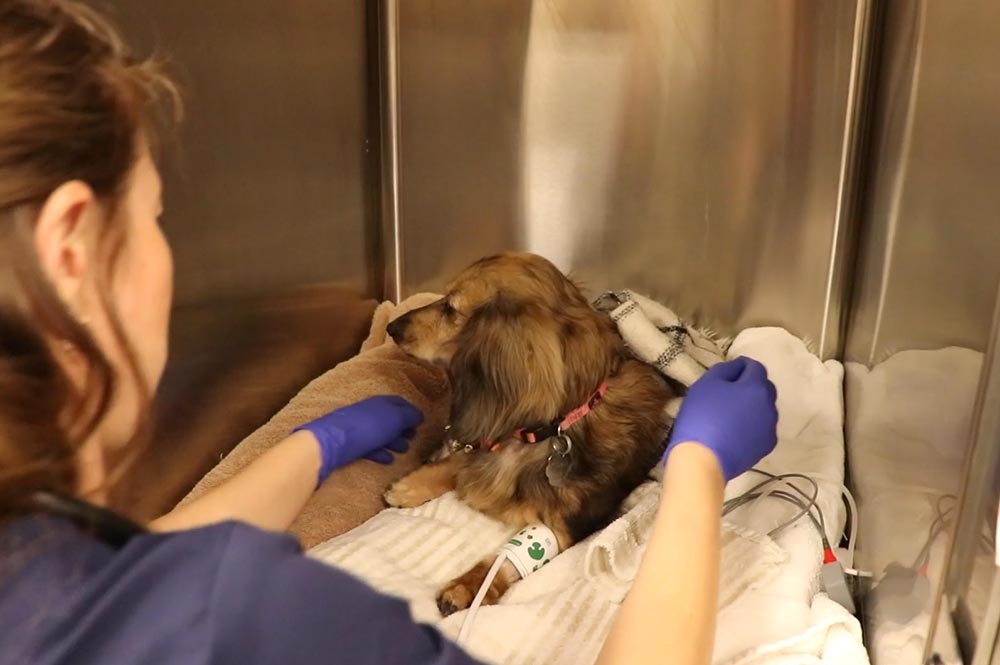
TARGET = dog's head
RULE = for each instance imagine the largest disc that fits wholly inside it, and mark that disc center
(521, 344)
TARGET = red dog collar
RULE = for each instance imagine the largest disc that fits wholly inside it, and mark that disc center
(542, 432)
(561, 424)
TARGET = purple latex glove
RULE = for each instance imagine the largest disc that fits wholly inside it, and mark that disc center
(370, 428)
(731, 411)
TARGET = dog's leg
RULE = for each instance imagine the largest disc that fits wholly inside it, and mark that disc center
(458, 594)
(426, 483)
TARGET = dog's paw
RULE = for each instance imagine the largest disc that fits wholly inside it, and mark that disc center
(403, 494)
(456, 596)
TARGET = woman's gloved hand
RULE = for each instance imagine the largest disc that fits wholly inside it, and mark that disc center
(731, 411)
(370, 428)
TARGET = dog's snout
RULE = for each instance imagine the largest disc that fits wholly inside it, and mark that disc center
(396, 328)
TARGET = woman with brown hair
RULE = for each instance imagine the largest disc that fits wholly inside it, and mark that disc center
(85, 291)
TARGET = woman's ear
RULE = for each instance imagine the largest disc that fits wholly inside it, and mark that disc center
(506, 373)
(63, 239)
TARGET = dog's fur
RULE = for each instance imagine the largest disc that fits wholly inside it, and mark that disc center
(522, 347)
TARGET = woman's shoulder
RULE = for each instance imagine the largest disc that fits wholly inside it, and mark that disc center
(66, 597)
(224, 593)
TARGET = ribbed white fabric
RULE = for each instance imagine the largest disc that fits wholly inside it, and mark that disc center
(558, 614)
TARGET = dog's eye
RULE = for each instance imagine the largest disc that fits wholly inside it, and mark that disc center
(448, 309)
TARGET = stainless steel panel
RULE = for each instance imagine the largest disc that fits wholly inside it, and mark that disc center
(971, 585)
(921, 311)
(928, 270)
(694, 150)
(387, 30)
(272, 188)
(272, 212)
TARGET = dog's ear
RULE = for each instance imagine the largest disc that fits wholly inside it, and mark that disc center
(507, 372)
(591, 346)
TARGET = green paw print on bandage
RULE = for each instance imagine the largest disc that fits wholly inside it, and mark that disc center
(536, 551)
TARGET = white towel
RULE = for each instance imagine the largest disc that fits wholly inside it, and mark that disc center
(810, 441)
(559, 614)
(908, 421)
(832, 638)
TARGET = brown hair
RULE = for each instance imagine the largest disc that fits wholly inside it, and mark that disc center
(74, 105)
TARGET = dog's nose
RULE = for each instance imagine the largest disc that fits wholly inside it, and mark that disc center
(395, 329)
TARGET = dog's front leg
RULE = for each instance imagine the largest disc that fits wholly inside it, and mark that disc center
(428, 482)
(458, 594)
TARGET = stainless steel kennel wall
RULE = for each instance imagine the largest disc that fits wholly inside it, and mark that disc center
(928, 269)
(271, 190)
(700, 151)
(271, 209)
(921, 367)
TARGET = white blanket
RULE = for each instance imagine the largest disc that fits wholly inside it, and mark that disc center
(771, 609)
(788, 619)
(908, 425)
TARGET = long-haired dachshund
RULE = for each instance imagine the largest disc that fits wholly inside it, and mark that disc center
(552, 421)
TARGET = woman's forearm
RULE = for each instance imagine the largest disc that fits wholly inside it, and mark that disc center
(669, 615)
(268, 493)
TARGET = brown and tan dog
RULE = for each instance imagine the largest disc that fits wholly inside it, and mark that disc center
(524, 350)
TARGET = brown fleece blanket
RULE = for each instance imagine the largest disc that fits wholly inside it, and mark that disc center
(354, 493)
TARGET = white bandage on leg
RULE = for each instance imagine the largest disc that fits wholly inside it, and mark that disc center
(531, 548)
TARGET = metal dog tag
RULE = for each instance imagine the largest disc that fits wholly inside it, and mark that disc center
(560, 462)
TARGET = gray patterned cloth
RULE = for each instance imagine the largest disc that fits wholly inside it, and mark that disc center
(657, 336)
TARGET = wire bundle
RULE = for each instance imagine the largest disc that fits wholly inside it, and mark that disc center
(775, 486)
(783, 487)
